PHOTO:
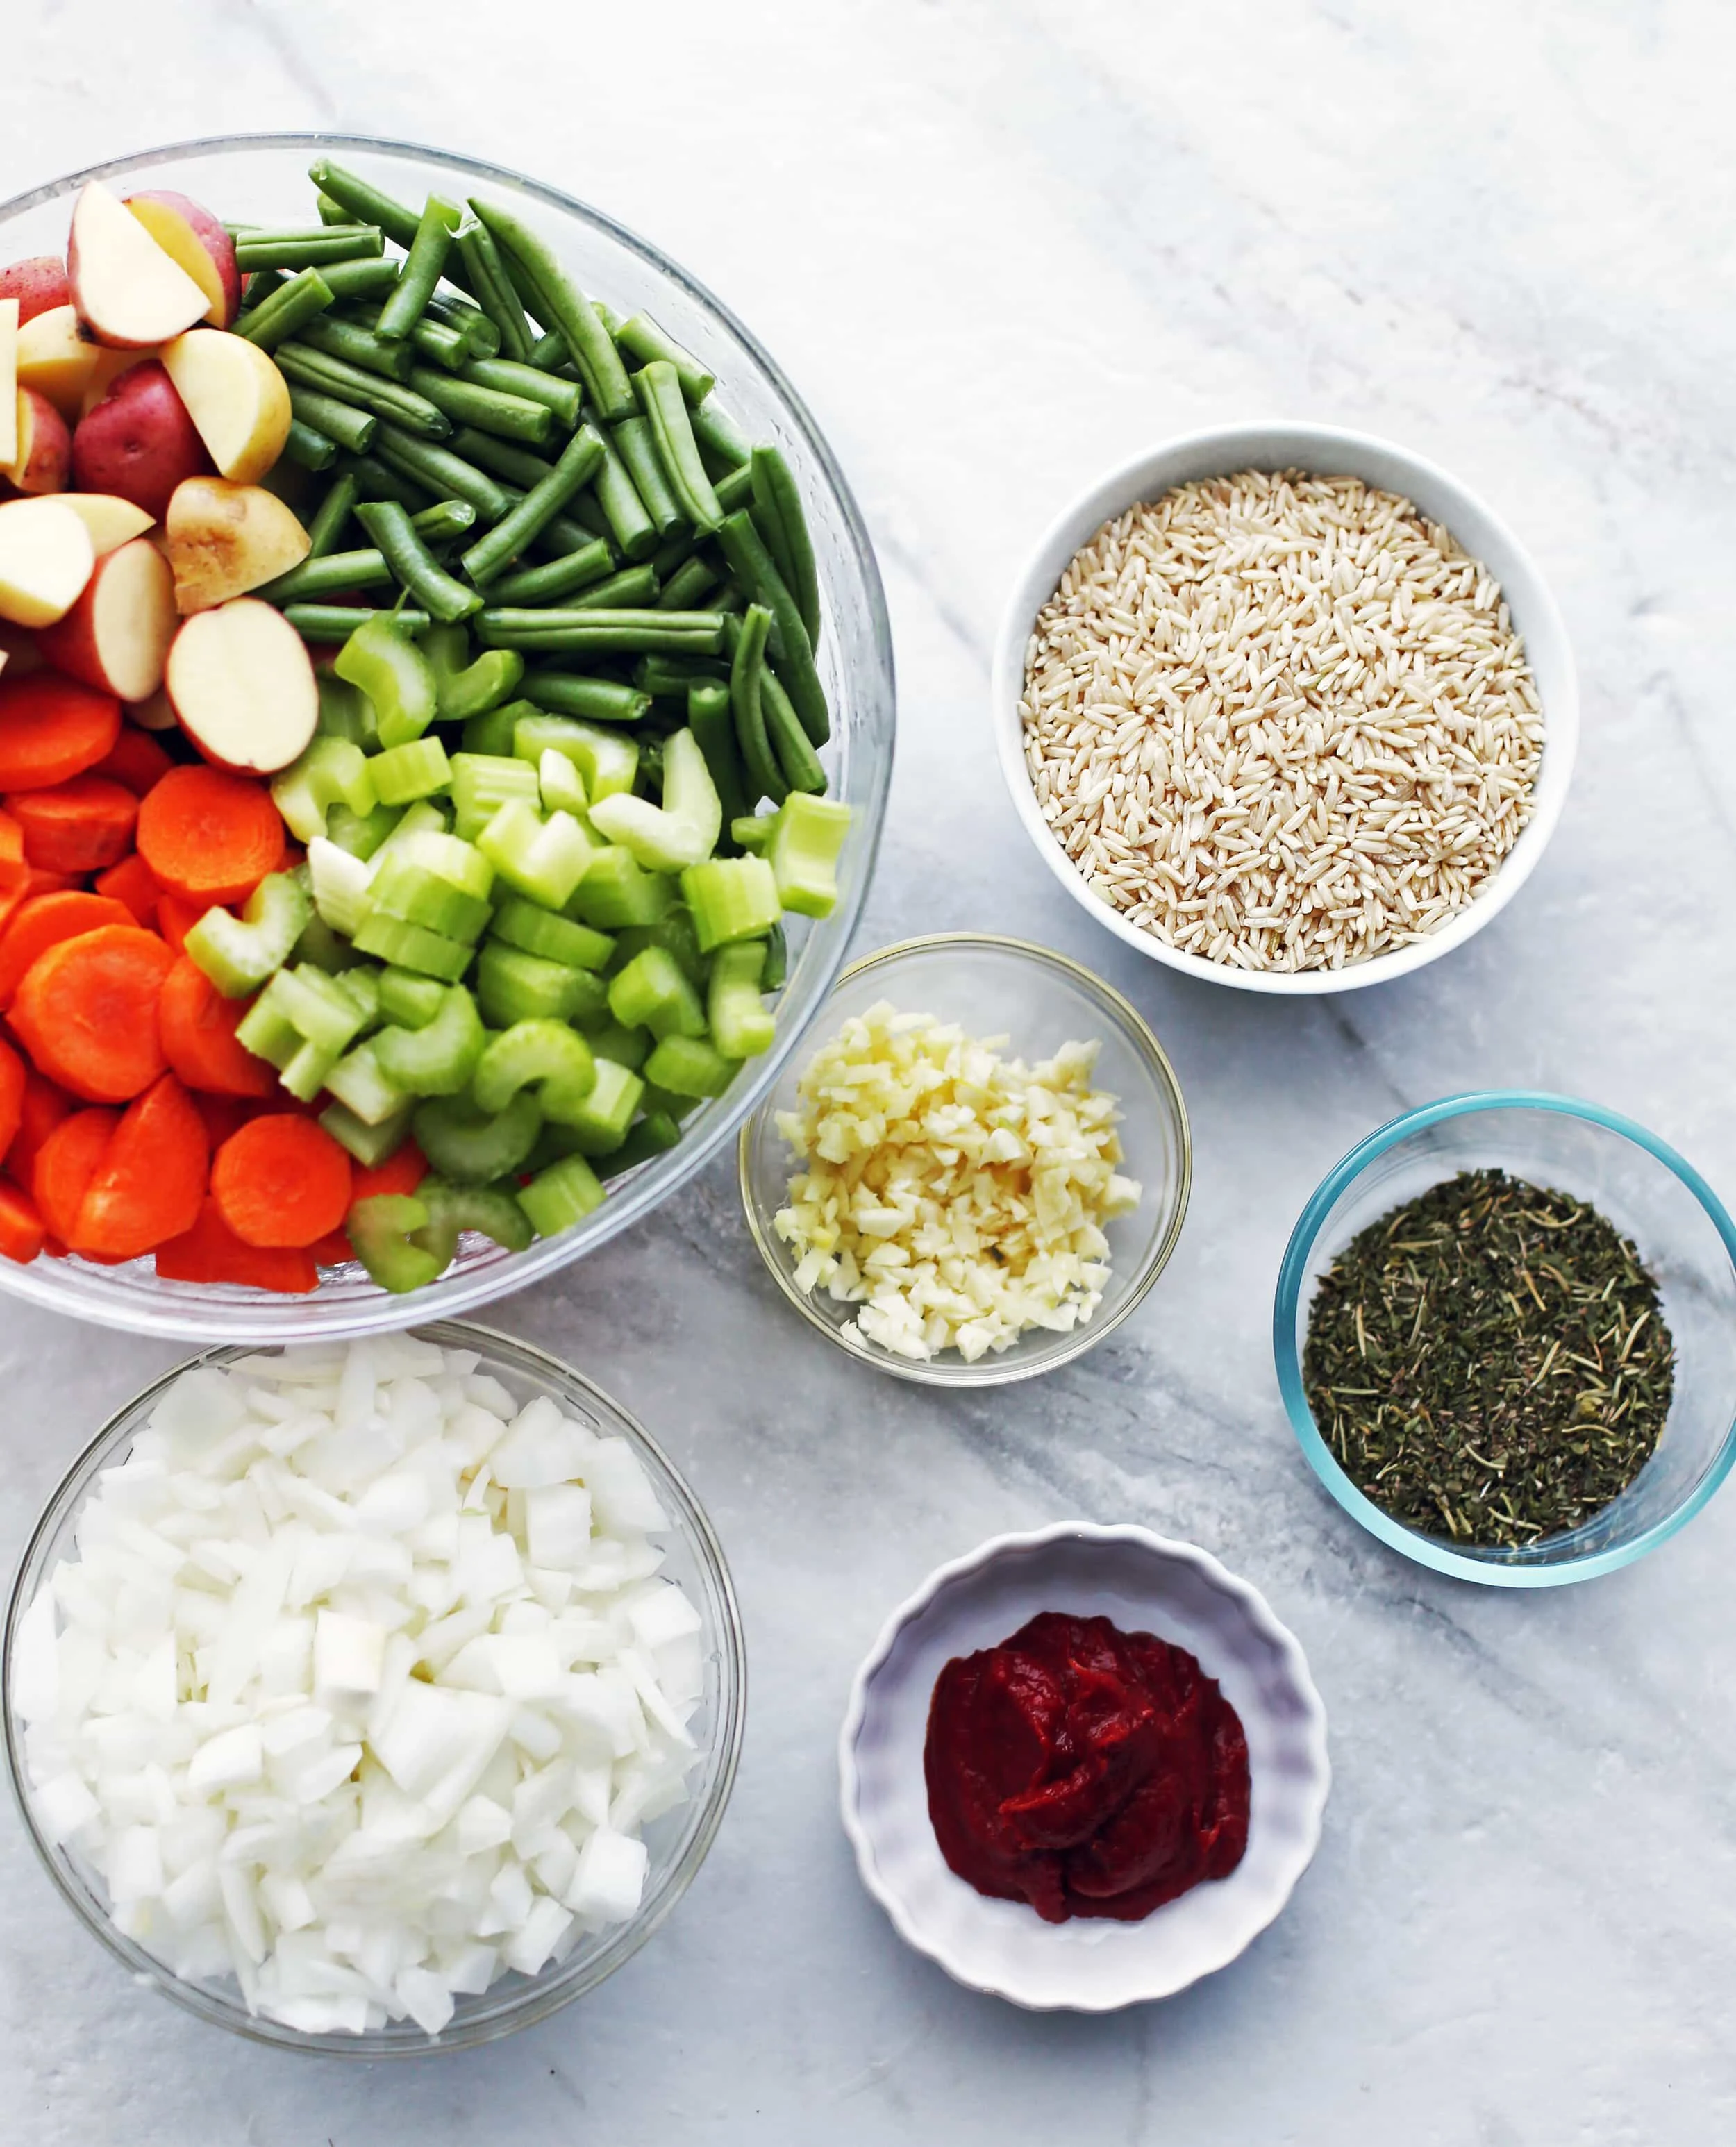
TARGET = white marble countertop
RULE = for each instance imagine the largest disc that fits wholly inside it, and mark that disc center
(998, 244)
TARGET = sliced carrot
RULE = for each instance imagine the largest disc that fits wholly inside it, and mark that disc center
(198, 1027)
(44, 922)
(223, 1115)
(151, 1183)
(210, 835)
(175, 917)
(42, 881)
(331, 1250)
(22, 1234)
(87, 1013)
(52, 729)
(14, 1075)
(132, 881)
(41, 1109)
(14, 868)
(211, 1252)
(65, 1165)
(139, 761)
(82, 826)
(401, 1172)
(281, 1180)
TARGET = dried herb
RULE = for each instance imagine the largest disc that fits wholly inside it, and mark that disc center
(1490, 1361)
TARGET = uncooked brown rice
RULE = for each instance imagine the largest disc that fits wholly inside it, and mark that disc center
(1280, 721)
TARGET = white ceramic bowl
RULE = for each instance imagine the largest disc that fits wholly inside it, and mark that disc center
(1323, 451)
(1145, 1583)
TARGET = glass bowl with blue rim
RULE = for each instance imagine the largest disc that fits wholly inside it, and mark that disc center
(1653, 1197)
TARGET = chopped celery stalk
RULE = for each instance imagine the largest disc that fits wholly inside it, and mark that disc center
(332, 772)
(562, 785)
(666, 1101)
(452, 857)
(470, 1147)
(731, 899)
(513, 986)
(490, 1210)
(379, 1230)
(394, 674)
(617, 891)
(305, 1075)
(491, 733)
(752, 831)
(608, 760)
(438, 1059)
(683, 830)
(597, 1123)
(317, 1008)
(267, 1031)
(370, 1145)
(360, 981)
(423, 817)
(740, 1026)
(562, 1195)
(359, 1085)
(325, 948)
(808, 834)
(345, 711)
(420, 896)
(544, 1055)
(341, 882)
(545, 859)
(654, 1134)
(675, 932)
(415, 769)
(627, 1047)
(409, 1000)
(360, 835)
(777, 959)
(652, 992)
(482, 783)
(688, 1066)
(413, 946)
(238, 954)
(539, 931)
(463, 690)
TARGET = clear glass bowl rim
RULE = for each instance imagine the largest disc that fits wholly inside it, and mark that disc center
(1492, 1569)
(72, 1291)
(988, 1371)
(530, 2002)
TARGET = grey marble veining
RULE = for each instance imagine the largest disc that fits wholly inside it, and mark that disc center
(998, 244)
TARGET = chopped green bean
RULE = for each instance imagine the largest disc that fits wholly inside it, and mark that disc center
(558, 577)
(316, 621)
(636, 443)
(359, 346)
(375, 480)
(548, 353)
(580, 460)
(750, 564)
(641, 338)
(565, 397)
(633, 586)
(719, 437)
(623, 511)
(511, 464)
(415, 567)
(366, 203)
(666, 413)
(327, 526)
(494, 289)
(594, 700)
(711, 719)
(778, 517)
(360, 279)
(796, 757)
(688, 587)
(482, 337)
(307, 249)
(335, 422)
(367, 391)
(306, 446)
(444, 472)
(435, 343)
(288, 309)
(600, 632)
(423, 268)
(445, 521)
(747, 682)
(563, 306)
(329, 574)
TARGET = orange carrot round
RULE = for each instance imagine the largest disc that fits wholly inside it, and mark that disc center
(211, 1252)
(175, 917)
(87, 1013)
(52, 729)
(41, 1109)
(14, 867)
(223, 1115)
(43, 922)
(281, 1180)
(65, 1165)
(150, 1184)
(78, 826)
(22, 1234)
(198, 1027)
(137, 760)
(12, 1077)
(208, 835)
(401, 1172)
(132, 881)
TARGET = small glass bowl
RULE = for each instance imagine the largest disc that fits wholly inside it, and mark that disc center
(264, 178)
(1652, 1196)
(678, 1842)
(1039, 1000)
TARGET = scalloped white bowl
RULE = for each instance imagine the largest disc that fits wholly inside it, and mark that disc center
(1144, 1582)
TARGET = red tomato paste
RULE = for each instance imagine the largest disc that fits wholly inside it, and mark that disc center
(1089, 1771)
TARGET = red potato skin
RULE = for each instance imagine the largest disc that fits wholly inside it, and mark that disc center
(45, 457)
(38, 284)
(209, 232)
(138, 442)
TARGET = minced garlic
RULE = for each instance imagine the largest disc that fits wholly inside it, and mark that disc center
(959, 1197)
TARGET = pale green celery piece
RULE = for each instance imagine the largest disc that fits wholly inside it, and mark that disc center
(689, 1066)
(752, 831)
(562, 1195)
(418, 769)
(379, 1230)
(341, 883)
(420, 896)
(537, 931)
(345, 711)
(546, 1056)
(545, 860)
(652, 992)
(597, 1122)
(409, 1000)
(482, 783)
(627, 1047)
(394, 674)
(609, 760)
(562, 785)
(334, 771)
(731, 899)
(359, 1085)
(683, 830)
(491, 1210)
(451, 858)
(439, 1058)
(238, 954)
(617, 891)
(318, 1007)
(369, 1144)
(361, 982)
(807, 836)
(406, 946)
(423, 817)
(741, 1027)
(361, 837)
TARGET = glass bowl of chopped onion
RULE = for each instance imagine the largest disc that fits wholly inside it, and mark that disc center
(975, 1168)
(375, 1700)
(1674, 1228)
